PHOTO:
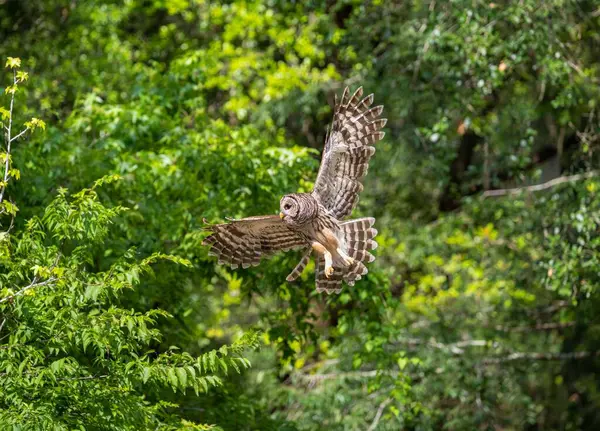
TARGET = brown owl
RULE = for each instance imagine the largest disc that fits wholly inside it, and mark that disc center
(313, 221)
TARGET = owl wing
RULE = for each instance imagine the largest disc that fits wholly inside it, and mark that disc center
(348, 149)
(245, 241)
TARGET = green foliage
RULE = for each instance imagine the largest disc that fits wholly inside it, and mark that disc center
(480, 309)
(71, 355)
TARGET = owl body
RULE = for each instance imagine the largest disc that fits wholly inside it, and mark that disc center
(303, 214)
(313, 221)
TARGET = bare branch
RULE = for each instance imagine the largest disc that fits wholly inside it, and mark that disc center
(20, 134)
(32, 374)
(458, 349)
(314, 379)
(33, 285)
(539, 187)
(539, 327)
(380, 410)
(454, 348)
(548, 309)
(103, 376)
(541, 356)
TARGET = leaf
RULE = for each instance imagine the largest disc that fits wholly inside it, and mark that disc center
(146, 374)
(13, 62)
(182, 375)
(15, 173)
(22, 76)
(173, 380)
(92, 291)
(34, 123)
(402, 362)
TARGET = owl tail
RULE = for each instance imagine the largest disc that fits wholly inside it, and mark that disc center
(301, 265)
(358, 235)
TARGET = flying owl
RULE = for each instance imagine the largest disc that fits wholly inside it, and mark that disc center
(313, 221)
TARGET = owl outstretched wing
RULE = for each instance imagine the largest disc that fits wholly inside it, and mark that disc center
(348, 149)
(245, 241)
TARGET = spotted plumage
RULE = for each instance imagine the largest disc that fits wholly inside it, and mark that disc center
(313, 221)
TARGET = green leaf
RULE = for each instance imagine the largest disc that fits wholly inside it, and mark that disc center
(13, 62)
(146, 374)
(173, 380)
(34, 123)
(182, 375)
(22, 76)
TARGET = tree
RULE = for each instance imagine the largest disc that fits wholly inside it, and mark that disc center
(71, 356)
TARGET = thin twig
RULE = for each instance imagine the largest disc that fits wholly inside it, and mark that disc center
(539, 327)
(380, 410)
(20, 134)
(539, 187)
(541, 356)
(64, 379)
(103, 376)
(313, 380)
(33, 284)
(454, 348)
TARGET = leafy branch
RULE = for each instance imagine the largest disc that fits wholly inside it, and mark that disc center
(18, 77)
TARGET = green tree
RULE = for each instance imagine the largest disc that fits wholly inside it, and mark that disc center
(71, 356)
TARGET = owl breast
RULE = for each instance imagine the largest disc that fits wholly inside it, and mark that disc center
(325, 229)
(316, 224)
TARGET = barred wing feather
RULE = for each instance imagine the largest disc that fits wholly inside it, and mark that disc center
(245, 241)
(348, 149)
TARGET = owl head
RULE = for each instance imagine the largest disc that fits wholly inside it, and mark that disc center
(297, 208)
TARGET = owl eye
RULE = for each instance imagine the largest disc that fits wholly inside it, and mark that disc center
(287, 206)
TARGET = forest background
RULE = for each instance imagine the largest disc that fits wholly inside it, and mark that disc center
(127, 122)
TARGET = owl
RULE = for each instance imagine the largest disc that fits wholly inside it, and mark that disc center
(314, 222)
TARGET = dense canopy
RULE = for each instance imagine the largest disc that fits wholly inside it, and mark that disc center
(125, 123)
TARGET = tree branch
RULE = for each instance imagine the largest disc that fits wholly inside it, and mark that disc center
(380, 410)
(33, 284)
(454, 348)
(20, 134)
(541, 356)
(539, 187)
(539, 327)
(103, 376)
(8, 139)
(314, 379)
(64, 379)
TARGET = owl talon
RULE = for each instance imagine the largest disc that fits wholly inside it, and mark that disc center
(329, 271)
(348, 261)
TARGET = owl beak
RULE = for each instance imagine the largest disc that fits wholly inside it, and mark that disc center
(281, 215)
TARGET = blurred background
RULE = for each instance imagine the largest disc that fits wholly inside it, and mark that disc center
(481, 310)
